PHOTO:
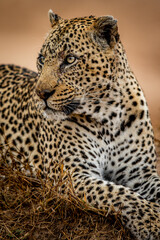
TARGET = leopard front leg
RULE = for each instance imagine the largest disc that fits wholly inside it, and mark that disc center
(139, 215)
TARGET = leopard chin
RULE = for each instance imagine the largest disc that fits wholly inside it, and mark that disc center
(53, 115)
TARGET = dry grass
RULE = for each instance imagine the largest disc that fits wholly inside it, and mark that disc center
(31, 208)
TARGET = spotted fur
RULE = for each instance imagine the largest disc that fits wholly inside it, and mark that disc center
(85, 109)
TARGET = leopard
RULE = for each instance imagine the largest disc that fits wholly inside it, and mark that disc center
(84, 109)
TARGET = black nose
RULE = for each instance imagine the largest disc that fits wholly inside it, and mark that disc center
(45, 94)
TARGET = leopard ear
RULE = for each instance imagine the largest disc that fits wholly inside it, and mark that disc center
(54, 18)
(106, 31)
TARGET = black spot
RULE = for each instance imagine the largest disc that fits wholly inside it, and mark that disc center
(27, 141)
(123, 126)
(88, 118)
(35, 157)
(88, 182)
(14, 129)
(89, 189)
(113, 114)
(99, 182)
(134, 103)
(34, 138)
(8, 136)
(134, 150)
(131, 119)
(137, 161)
(120, 177)
(31, 148)
(67, 159)
(121, 170)
(83, 166)
(137, 185)
(141, 114)
(117, 133)
(67, 127)
(89, 199)
(19, 139)
(139, 131)
(104, 121)
(158, 195)
(110, 188)
(49, 155)
(110, 102)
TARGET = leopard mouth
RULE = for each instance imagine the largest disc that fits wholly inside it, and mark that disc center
(65, 109)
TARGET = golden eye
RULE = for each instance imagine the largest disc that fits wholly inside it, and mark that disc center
(70, 59)
(40, 62)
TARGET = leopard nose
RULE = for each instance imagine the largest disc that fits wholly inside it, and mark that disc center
(45, 94)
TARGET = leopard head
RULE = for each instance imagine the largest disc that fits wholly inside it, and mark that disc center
(76, 66)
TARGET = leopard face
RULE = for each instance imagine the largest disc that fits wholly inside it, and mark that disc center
(76, 67)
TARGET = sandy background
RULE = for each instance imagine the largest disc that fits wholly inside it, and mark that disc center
(24, 24)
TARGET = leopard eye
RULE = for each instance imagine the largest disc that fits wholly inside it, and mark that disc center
(40, 61)
(70, 59)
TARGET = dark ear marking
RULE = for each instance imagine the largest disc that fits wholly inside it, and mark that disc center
(106, 31)
(53, 18)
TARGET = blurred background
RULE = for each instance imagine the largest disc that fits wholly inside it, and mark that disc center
(24, 24)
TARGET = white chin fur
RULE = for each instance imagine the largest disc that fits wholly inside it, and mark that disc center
(53, 116)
